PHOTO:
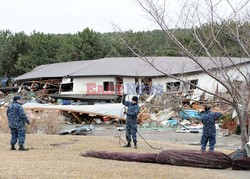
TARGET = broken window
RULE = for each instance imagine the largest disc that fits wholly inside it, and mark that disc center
(119, 85)
(190, 85)
(173, 86)
(66, 87)
(147, 85)
(108, 86)
(193, 84)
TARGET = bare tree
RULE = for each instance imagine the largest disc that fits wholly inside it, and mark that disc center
(193, 15)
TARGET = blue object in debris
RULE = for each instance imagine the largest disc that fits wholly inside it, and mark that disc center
(4, 82)
(66, 102)
(186, 114)
(172, 122)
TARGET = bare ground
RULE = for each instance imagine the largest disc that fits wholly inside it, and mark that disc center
(231, 142)
(53, 156)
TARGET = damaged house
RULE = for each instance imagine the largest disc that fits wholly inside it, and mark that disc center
(105, 80)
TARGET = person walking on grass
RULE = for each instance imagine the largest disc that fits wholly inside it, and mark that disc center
(208, 119)
(17, 119)
(131, 122)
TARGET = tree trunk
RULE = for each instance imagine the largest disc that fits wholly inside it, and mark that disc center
(242, 116)
(248, 122)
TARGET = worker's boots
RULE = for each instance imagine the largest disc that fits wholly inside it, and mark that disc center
(21, 148)
(127, 145)
(13, 147)
(135, 145)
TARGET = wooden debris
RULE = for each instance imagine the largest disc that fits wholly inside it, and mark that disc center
(76, 116)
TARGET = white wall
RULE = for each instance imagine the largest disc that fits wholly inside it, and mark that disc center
(80, 84)
(66, 80)
(204, 81)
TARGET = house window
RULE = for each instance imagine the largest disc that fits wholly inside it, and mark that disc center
(173, 86)
(119, 86)
(66, 87)
(193, 84)
(108, 86)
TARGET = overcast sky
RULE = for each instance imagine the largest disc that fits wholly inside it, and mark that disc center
(70, 16)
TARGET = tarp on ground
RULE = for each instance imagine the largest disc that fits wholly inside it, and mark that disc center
(241, 164)
(195, 158)
(132, 157)
(191, 158)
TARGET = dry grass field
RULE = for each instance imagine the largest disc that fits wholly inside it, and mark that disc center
(53, 156)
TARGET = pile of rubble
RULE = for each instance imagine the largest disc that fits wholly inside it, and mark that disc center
(31, 91)
(172, 111)
(165, 110)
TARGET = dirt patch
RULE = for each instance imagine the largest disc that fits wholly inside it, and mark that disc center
(64, 143)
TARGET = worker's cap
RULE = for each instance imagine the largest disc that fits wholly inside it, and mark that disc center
(135, 98)
(17, 98)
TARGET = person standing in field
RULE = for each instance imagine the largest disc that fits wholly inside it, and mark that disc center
(208, 119)
(17, 119)
(131, 122)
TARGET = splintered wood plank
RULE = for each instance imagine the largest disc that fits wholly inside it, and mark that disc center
(92, 115)
(76, 116)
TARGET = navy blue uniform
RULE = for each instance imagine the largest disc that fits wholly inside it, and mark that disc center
(131, 122)
(17, 120)
(208, 119)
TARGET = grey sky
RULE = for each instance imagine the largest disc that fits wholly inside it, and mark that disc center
(70, 16)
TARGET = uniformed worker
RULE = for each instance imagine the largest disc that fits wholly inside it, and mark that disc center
(131, 122)
(208, 119)
(17, 120)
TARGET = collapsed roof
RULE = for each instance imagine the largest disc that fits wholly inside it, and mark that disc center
(127, 67)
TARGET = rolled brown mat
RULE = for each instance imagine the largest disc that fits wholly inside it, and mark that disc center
(192, 158)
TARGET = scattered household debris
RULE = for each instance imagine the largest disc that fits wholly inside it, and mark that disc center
(163, 116)
(224, 132)
(32, 91)
(190, 114)
(80, 130)
(178, 111)
(40, 90)
(1, 102)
